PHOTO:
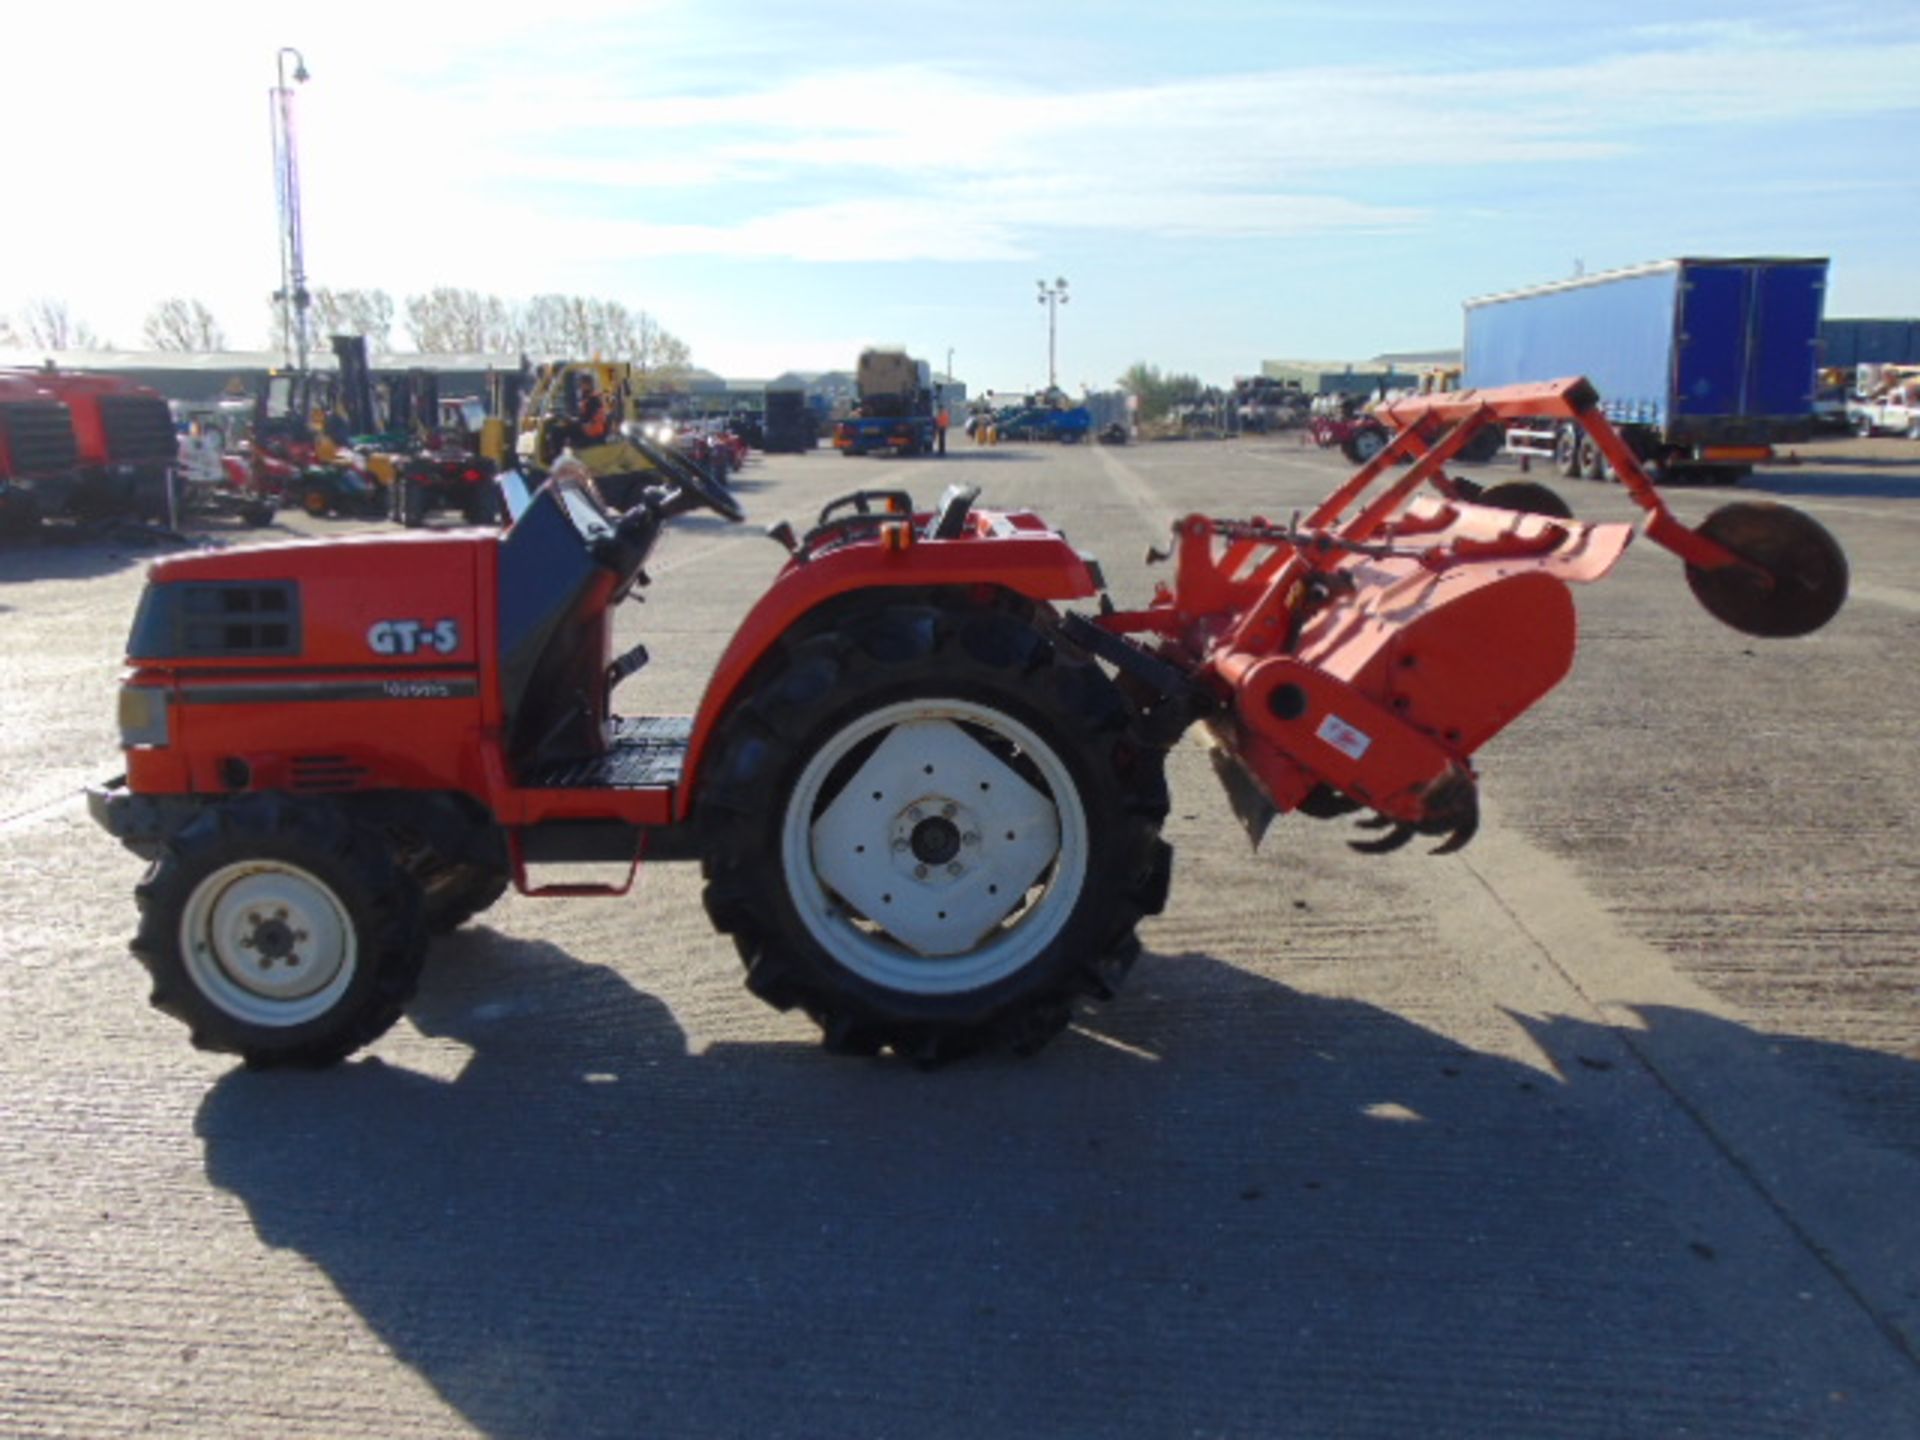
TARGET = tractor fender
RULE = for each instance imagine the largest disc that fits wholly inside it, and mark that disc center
(1040, 566)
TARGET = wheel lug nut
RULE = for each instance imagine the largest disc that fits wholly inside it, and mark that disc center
(949, 810)
(970, 838)
(954, 867)
(899, 847)
(913, 813)
(920, 872)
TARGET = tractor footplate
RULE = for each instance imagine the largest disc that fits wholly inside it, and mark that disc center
(643, 753)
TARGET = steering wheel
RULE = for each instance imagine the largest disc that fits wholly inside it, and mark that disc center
(689, 477)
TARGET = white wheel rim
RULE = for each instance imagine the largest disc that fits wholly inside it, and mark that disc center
(269, 943)
(960, 872)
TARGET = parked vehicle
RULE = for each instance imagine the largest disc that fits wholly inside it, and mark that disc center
(446, 470)
(926, 783)
(38, 453)
(790, 426)
(1703, 365)
(896, 407)
(125, 447)
(1893, 408)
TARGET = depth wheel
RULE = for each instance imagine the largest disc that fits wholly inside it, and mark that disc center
(968, 837)
(1807, 567)
(276, 930)
(1528, 496)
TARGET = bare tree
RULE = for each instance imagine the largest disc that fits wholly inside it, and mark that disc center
(354, 312)
(449, 321)
(578, 326)
(8, 335)
(183, 325)
(50, 325)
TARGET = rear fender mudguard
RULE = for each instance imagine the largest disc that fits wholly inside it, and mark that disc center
(1040, 565)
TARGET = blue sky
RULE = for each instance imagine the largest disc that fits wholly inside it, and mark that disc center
(782, 184)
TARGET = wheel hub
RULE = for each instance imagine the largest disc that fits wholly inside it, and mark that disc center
(268, 942)
(935, 840)
(937, 872)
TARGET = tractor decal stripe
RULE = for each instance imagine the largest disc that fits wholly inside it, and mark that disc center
(421, 688)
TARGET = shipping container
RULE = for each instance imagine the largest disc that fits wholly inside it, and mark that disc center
(1702, 364)
(1853, 343)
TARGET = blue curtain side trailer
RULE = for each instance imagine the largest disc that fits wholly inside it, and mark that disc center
(1703, 365)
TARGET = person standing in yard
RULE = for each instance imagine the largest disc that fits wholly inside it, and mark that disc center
(940, 422)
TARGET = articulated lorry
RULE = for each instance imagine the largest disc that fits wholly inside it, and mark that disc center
(896, 406)
(1702, 365)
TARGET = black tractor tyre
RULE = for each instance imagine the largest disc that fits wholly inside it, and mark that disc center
(277, 930)
(457, 893)
(919, 750)
(316, 499)
(410, 501)
(483, 504)
(1528, 496)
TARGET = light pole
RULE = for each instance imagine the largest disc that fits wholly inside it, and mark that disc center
(1053, 297)
(292, 295)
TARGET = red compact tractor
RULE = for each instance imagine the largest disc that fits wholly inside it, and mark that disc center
(926, 795)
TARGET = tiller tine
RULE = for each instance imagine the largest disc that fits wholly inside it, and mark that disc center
(1393, 840)
(1249, 803)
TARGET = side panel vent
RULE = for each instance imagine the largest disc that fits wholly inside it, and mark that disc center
(312, 774)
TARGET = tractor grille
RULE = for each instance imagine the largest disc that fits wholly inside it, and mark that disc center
(39, 437)
(312, 774)
(238, 619)
(644, 753)
(139, 430)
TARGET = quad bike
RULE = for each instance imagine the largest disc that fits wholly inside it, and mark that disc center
(925, 794)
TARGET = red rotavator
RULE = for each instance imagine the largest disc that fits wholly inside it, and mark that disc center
(926, 781)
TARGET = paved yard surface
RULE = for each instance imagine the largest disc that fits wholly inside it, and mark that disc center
(1609, 1125)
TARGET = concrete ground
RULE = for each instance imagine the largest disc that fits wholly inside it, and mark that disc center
(1608, 1125)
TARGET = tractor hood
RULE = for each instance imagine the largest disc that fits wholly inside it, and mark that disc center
(405, 602)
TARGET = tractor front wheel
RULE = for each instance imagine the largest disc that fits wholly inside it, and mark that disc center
(277, 930)
(968, 831)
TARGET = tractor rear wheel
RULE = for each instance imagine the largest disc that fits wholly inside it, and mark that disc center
(968, 834)
(278, 930)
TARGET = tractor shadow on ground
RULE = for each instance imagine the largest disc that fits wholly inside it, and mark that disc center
(1219, 1208)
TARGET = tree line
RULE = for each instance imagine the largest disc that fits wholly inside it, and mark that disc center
(1159, 395)
(444, 321)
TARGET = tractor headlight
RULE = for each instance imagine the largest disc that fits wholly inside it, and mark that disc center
(143, 716)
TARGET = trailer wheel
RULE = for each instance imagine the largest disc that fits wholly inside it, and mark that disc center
(968, 835)
(277, 930)
(1592, 464)
(1566, 451)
